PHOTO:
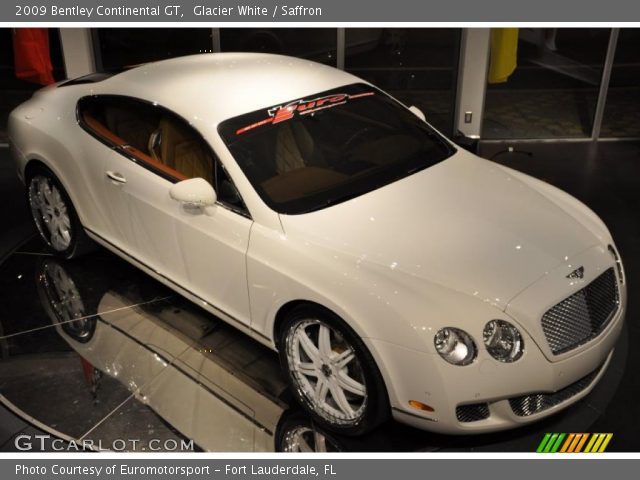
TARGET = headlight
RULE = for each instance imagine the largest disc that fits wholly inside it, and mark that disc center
(503, 341)
(616, 257)
(455, 346)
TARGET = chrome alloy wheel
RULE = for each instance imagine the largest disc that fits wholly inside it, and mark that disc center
(65, 300)
(326, 372)
(50, 213)
(303, 439)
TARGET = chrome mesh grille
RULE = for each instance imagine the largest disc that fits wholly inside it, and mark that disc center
(472, 413)
(583, 315)
(538, 402)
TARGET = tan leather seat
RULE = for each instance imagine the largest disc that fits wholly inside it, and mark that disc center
(288, 154)
(134, 129)
(181, 150)
(295, 148)
(102, 131)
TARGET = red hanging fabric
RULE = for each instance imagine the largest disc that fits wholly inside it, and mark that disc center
(31, 53)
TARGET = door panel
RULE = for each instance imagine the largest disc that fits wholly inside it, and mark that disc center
(145, 201)
(114, 224)
(200, 249)
(214, 244)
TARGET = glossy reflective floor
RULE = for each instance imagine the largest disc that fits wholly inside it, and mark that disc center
(95, 350)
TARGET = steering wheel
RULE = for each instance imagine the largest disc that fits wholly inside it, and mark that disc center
(357, 135)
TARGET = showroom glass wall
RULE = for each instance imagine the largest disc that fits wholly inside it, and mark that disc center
(416, 65)
(568, 84)
(116, 48)
(317, 44)
(553, 92)
(622, 109)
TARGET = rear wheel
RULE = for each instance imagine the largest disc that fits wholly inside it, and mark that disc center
(332, 373)
(54, 217)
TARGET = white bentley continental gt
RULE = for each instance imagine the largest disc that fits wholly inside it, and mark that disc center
(395, 273)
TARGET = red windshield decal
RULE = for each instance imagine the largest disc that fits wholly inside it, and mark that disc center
(254, 125)
(302, 107)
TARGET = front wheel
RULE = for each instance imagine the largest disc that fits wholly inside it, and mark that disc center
(54, 217)
(332, 373)
(298, 434)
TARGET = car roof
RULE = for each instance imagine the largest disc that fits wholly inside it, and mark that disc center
(217, 86)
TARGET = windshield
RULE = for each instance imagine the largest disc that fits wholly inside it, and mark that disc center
(314, 152)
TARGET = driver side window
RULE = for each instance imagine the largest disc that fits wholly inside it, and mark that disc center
(177, 145)
(158, 140)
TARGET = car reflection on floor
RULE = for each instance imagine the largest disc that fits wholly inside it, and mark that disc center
(210, 383)
(96, 351)
(175, 374)
(140, 347)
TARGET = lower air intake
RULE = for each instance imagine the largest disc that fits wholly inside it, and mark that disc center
(472, 413)
(539, 402)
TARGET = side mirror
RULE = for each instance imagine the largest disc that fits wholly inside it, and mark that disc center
(418, 113)
(194, 192)
(468, 143)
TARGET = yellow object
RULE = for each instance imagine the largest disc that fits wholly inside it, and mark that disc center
(420, 406)
(606, 441)
(504, 54)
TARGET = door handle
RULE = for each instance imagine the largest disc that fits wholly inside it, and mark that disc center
(116, 177)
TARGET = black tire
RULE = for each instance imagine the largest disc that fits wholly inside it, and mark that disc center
(367, 404)
(73, 242)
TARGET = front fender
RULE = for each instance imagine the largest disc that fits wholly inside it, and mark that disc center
(377, 302)
(574, 207)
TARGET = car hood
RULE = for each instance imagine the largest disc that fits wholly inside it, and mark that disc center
(465, 224)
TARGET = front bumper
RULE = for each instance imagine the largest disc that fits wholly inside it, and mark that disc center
(445, 387)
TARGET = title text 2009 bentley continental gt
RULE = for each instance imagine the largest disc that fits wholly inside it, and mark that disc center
(395, 274)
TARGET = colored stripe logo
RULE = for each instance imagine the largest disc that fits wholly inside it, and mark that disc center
(574, 443)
